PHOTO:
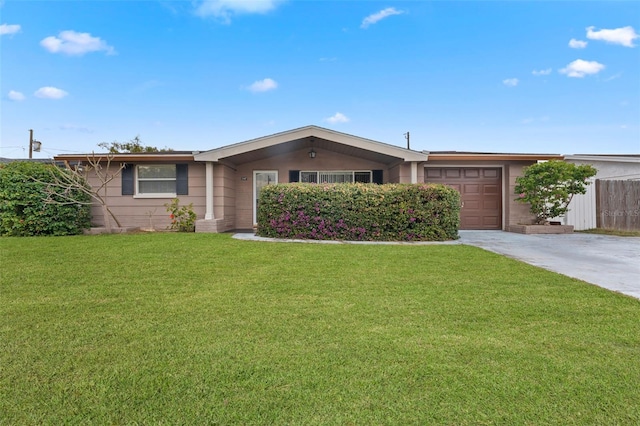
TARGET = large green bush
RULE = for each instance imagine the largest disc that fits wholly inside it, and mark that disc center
(360, 212)
(25, 188)
(550, 186)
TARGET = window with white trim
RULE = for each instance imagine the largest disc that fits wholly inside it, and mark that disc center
(156, 179)
(363, 176)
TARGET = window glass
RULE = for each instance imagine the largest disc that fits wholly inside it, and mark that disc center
(309, 177)
(157, 179)
(157, 171)
(362, 177)
(336, 177)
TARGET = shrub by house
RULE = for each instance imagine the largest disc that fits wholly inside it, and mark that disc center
(549, 187)
(32, 204)
(359, 212)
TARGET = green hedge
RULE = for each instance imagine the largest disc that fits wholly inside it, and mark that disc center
(23, 210)
(359, 212)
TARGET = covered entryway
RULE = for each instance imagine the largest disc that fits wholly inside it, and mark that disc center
(480, 190)
(235, 173)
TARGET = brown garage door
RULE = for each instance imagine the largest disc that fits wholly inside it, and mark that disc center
(481, 192)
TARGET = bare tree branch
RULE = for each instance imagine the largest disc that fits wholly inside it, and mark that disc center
(74, 179)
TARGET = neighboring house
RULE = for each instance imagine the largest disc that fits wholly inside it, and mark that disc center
(582, 209)
(223, 183)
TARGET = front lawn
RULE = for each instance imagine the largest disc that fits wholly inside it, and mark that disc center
(616, 232)
(203, 329)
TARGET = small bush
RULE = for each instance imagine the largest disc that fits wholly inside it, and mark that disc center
(549, 187)
(183, 218)
(25, 210)
(359, 212)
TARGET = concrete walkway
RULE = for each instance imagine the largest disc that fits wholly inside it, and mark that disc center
(607, 261)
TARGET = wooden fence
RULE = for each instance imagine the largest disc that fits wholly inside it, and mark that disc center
(618, 204)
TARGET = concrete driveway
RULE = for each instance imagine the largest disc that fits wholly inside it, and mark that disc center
(607, 261)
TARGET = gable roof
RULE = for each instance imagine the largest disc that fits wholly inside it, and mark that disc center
(301, 133)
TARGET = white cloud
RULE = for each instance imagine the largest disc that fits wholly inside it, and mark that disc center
(76, 128)
(613, 77)
(579, 68)
(50, 93)
(223, 9)
(577, 44)
(542, 72)
(378, 16)
(9, 29)
(73, 43)
(510, 82)
(263, 85)
(338, 117)
(623, 36)
(15, 96)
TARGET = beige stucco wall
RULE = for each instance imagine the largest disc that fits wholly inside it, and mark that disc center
(148, 212)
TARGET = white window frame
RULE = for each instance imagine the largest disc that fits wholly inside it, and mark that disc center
(137, 179)
(342, 172)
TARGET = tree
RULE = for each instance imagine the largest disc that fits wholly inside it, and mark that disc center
(549, 187)
(30, 206)
(97, 168)
(133, 146)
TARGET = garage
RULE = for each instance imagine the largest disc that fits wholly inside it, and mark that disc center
(480, 190)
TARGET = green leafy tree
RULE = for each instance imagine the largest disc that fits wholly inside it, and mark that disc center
(27, 190)
(550, 186)
(133, 146)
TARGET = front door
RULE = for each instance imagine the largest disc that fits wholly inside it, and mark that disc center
(261, 178)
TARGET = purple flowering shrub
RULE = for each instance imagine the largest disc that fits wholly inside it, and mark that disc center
(359, 212)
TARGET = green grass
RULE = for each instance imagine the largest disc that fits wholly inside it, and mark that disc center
(615, 232)
(203, 329)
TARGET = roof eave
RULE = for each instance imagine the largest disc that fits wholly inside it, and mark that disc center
(494, 157)
(604, 158)
(125, 157)
(306, 132)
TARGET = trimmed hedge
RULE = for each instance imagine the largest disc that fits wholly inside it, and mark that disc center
(23, 210)
(359, 212)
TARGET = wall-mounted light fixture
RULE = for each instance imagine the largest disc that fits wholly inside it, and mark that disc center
(312, 153)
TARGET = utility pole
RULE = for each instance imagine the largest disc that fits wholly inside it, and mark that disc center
(406, 136)
(34, 145)
(30, 143)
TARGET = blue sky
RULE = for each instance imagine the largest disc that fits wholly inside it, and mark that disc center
(557, 77)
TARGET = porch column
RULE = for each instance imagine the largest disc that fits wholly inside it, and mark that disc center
(414, 172)
(208, 215)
